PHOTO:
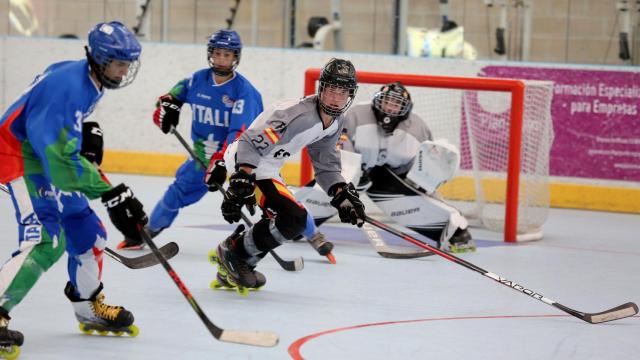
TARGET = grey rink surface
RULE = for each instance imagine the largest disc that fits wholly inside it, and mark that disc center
(369, 307)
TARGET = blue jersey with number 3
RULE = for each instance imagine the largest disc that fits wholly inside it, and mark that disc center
(220, 111)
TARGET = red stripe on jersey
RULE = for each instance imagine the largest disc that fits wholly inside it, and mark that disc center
(272, 135)
(11, 160)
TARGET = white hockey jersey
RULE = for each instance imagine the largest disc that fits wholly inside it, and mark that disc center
(281, 131)
(397, 150)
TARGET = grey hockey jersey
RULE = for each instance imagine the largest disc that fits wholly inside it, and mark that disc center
(397, 150)
(281, 131)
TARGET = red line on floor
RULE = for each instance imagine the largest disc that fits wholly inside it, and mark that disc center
(294, 348)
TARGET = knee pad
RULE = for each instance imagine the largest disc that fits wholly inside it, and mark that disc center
(293, 223)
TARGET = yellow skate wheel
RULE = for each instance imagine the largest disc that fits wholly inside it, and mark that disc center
(133, 330)
(84, 329)
(215, 285)
(103, 332)
(243, 291)
(118, 333)
(213, 257)
(10, 353)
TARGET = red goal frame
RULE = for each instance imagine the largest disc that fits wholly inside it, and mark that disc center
(515, 87)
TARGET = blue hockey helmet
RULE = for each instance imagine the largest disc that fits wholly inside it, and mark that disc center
(224, 39)
(113, 41)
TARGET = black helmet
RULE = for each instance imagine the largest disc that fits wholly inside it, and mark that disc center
(342, 74)
(391, 105)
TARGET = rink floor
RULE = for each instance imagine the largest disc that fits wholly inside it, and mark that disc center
(366, 306)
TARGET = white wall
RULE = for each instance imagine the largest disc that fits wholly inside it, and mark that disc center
(125, 114)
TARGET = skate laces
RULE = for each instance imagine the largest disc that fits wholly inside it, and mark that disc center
(105, 311)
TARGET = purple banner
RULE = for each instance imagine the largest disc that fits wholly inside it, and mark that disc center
(595, 119)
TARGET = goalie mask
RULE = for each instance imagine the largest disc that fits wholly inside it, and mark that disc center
(338, 86)
(113, 53)
(226, 40)
(391, 105)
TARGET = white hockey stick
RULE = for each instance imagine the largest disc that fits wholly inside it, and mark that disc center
(387, 251)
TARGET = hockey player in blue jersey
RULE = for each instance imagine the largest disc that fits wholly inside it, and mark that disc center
(223, 103)
(43, 144)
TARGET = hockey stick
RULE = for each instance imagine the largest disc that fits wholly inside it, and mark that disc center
(255, 338)
(290, 265)
(138, 262)
(385, 250)
(618, 312)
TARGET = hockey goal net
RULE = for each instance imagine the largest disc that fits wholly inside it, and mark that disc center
(504, 132)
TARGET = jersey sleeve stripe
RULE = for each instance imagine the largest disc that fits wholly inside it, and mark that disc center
(271, 135)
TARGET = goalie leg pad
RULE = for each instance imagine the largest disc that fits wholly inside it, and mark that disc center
(317, 203)
(425, 214)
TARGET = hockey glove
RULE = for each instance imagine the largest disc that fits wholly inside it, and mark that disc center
(350, 208)
(216, 174)
(125, 211)
(92, 143)
(241, 192)
(167, 113)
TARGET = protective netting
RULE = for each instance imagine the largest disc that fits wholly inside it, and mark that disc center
(477, 122)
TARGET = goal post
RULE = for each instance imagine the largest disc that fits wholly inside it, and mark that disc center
(484, 117)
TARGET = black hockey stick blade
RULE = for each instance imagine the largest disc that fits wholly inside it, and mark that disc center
(391, 253)
(388, 252)
(296, 264)
(616, 313)
(254, 338)
(168, 250)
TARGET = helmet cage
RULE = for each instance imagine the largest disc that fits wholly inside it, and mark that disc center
(331, 110)
(337, 74)
(110, 83)
(391, 105)
(220, 71)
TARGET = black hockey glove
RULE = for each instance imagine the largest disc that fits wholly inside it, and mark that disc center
(241, 192)
(216, 174)
(350, 208)
(92, 142)
(125, 211)
(167, 113)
